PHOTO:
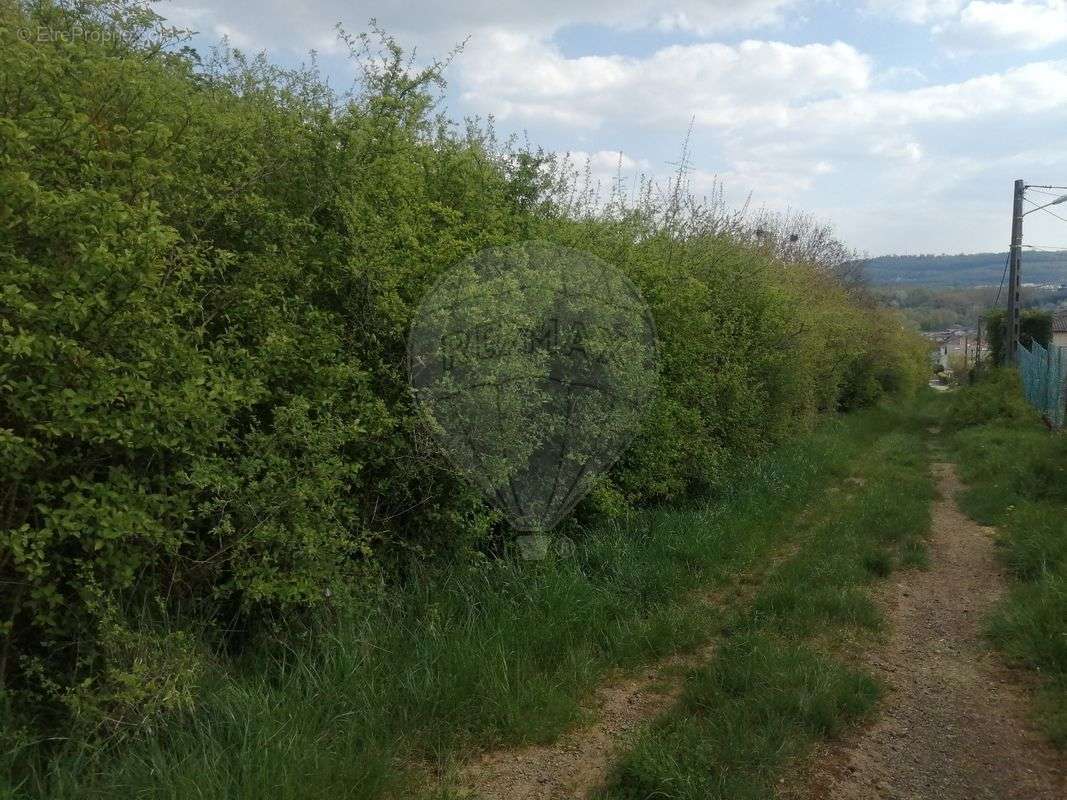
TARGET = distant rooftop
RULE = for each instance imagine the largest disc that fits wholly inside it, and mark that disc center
(1059, 321)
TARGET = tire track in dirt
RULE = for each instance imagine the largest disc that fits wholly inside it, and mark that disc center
(954, 725)
(579, 761)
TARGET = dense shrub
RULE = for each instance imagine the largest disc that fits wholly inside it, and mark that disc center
(1034, 325)
(207, 272)
(996, 397)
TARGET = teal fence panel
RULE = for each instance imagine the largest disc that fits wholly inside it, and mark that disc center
(1044, 375)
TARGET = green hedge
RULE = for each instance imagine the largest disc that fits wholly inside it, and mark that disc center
(1033, 325)
(206, 277)
(996, 396)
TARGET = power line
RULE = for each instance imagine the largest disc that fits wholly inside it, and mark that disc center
(1057, 248)
(1039, 191)
(1002, 276)
(1042, 208)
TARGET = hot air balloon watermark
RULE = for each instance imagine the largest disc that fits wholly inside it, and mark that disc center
(532, 365)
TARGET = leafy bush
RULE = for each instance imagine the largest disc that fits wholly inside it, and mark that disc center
(996, 397)
(207, 274)
(1034, 325)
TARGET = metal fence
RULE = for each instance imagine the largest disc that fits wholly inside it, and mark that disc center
(1044, 373)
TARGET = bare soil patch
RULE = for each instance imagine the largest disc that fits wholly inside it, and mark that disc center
(578, 762)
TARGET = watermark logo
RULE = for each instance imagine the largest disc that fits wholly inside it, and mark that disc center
(43, 34)
(532, 365)
(538, 546)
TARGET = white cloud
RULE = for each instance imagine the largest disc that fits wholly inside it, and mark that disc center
(785, 130)
(721, 85)
(778, 182)
(1014, 25)
(900, 75)
(1030, 89)
(755, 88)
(237, 38)
(920, 12)
(706, 18)
(900, 138)
(898, 149)
(284, 25)
(968, 25)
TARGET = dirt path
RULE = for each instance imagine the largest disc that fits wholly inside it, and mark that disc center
(954, 724)
(579, 761)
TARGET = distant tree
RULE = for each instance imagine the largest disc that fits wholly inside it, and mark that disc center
(1033, 326)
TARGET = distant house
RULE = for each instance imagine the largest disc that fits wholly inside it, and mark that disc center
(956, 344)
(1059, 328)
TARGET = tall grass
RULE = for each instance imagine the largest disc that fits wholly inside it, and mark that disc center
(472, 656)
(785, 679)
(1016, 473)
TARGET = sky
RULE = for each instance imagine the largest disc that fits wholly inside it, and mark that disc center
(904, 123)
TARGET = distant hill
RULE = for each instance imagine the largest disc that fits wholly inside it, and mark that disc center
(976, 269)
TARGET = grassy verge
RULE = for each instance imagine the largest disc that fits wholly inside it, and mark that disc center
(784, 677)
(476, 656)
(1016, 473)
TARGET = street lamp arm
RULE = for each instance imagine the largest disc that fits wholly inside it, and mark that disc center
(1056, 202)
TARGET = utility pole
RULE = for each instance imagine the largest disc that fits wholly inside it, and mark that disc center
(978, 349)
(1014, 278)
